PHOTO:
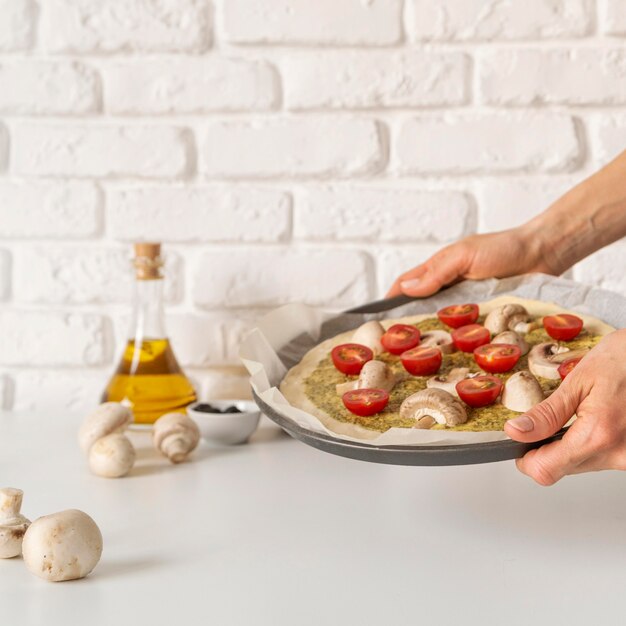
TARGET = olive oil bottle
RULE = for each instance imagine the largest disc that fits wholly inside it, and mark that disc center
(148, 378)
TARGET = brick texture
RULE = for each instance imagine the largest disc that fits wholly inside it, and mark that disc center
(51, 338)
(82, 275)
(100, 151)
(373, 214)
(262, 278)
(49, 210)
(99, 26)
(47, 87)
(362, 80)
(198, 214)
(190, 85)
(488, 143)
(478, 20)
(564, 76)
(283, 151)
(300, 22)
(18, 24)
(310, 147)
(5, 274)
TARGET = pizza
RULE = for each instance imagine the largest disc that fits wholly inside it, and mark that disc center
(466, 367)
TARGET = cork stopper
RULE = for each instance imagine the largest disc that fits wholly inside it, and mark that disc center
(148, 261)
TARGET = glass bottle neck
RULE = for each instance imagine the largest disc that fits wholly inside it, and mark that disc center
(148, 319)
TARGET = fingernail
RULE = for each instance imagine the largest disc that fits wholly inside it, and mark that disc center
(524, 424)
(410, 284)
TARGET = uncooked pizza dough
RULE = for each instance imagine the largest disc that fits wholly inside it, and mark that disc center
(310, 385)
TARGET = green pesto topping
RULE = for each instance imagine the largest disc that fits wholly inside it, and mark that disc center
(320, 385)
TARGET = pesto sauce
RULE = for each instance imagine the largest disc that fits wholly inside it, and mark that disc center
(320, 386)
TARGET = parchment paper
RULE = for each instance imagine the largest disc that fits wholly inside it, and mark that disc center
(286, 334)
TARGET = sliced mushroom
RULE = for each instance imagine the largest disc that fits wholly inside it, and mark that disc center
(374, 375)
(448, 381)
(523, 323)
(544, 359)
(438, 339)
(497, 321)
(342, 388)
(522, 392)
(511, 337)
(437, 404)
(369, 335)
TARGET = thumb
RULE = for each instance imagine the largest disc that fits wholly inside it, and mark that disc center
(546, 418)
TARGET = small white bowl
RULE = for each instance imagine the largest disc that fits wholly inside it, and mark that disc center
(226, 428)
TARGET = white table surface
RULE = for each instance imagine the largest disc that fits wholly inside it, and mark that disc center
(274, 532)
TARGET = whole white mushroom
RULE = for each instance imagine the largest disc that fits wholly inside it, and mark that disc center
(13, 524)
(112, 456)
(62, 546)
(110, 417)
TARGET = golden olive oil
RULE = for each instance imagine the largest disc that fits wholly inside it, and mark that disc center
(149, 379)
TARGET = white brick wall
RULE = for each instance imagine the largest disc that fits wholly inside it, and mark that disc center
(283, 150)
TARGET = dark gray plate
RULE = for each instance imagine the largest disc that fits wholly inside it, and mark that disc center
(467, 454)
(463, 454)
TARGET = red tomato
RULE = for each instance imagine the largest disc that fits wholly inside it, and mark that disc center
(422, 361)
(458, 315)
(399, 338)
(562, 327)
(468, 338)
(479, 391)
(365, 402)
(349, 358)
(567, 366)
(497, 357)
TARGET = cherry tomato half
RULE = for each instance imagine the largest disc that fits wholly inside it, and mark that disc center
(562, 327)
(399, 338)
(422, 361)
(458, 315)
(497, 357)
(349, 358)
(365, 402)
(567, 366)
(468, 338)
(479, 391)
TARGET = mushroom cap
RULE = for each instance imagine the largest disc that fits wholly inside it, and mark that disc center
(374, 375)
(438, 339)
(497, 321)
(110, 417)
(62, 546)
(442, 406)
(449, 381)
(112, 456)
(512, 337)
(369, 335)
(544, 359)
(522, 392)
(13, 524)
(175, 435)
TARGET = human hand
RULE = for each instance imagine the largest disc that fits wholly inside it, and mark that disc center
(595, 391)
(494, 255)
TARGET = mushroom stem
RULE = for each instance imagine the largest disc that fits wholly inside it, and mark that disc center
(175, 435)
(437, 404)
(10, 503)
(13, 524)
(449, 381)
